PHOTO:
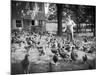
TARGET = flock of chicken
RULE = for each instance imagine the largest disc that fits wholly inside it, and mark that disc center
(60, 47)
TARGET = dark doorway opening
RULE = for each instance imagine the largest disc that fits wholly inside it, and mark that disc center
(33, 22)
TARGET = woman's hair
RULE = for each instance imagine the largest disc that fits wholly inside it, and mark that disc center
(68, 18)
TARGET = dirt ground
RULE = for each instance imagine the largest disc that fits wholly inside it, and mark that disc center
(50, 67)
(46, 66)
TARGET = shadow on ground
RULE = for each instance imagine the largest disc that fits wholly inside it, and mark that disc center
(16, 68)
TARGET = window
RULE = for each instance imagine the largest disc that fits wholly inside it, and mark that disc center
(33, 22)
(18, 23)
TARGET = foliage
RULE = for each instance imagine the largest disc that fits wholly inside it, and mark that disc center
(79, 13)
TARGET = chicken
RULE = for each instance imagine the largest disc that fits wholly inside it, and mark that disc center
(55, 58)
(85, 40)
(84, 48)
(67, 48)
(25, 64)
(73, 55)
(54, 51)
(41, 51)
(92, 49)
(84, 58)
(62, 54)
(27, 48)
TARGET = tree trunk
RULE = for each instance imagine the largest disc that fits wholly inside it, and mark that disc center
(94, 31)
(94, 25)
(59, 17)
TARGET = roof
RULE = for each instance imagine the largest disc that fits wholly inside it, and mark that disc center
(38, 16)
(27, 17)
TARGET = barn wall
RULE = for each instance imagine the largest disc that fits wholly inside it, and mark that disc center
(26, 23)
(36, 22)
(52, 27)
(13, 24)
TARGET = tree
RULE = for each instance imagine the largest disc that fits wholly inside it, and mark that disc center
(59, 18)
(52, 12)
(61, 11)
(17, 8)
(21, 8)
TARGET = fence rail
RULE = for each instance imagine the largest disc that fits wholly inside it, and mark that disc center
(84, 28)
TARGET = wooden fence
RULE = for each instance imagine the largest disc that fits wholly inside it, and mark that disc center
(84, 28)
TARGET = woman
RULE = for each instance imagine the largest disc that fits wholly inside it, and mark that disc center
(69, 27)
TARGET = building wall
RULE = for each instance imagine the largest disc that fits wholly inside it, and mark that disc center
(26, 23)
(36, 22)
(51, 27)
(27, 20)
(13, 24)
